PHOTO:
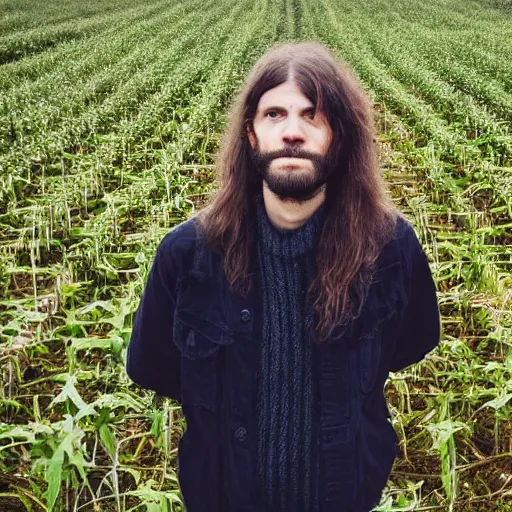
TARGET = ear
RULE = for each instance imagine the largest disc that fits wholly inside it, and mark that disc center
(251, 135)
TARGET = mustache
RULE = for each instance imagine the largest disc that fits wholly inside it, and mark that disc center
(290, 152)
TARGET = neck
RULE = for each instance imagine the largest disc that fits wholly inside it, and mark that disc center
(290, 214)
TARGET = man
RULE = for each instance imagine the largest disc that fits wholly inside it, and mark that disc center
(275, 315)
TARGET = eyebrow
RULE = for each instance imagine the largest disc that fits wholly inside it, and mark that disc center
(304, 110)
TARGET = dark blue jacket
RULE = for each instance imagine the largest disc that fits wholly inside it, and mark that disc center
(196, 341)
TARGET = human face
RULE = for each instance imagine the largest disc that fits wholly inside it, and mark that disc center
(290, 141)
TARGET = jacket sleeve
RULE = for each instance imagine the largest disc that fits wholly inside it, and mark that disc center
(153, 360)
(420, 330)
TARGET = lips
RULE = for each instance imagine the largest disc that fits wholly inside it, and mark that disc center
(291, 162)
(289, 159)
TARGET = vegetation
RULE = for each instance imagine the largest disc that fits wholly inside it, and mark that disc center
(110, 117)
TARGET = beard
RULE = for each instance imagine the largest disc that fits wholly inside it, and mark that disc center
(295, 185)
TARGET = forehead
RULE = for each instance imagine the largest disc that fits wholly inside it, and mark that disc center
(286, 95)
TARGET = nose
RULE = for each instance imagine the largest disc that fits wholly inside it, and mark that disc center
(292, 132)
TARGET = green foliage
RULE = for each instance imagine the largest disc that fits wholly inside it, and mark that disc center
(110, 116)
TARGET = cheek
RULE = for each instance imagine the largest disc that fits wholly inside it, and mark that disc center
(267, 135)
(322, 141)
(322, 136)
(266, 142)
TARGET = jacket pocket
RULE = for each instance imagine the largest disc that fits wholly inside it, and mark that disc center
(200, 343)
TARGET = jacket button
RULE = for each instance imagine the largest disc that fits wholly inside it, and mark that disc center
(241, 434)
(245, 315)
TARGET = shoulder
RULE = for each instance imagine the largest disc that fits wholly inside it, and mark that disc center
(178, 244)
(410, 248)
(403, 247)
(406, 237)
(181, 235)
(404, 231)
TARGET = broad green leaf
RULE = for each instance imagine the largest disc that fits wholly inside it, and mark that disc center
(54, 475)
(445, 469)
(108, 439)
(442, 431)
(77, 460)
(499, 402)
(69, 392)
(55, 467)
(105, 304)
(88, 410)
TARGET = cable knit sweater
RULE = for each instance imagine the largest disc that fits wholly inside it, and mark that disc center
(287, 455)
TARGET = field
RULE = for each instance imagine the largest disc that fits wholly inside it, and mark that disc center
(110, 118)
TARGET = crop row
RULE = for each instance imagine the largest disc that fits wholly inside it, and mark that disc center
(47, 37)
(24, 15)
(50, 128)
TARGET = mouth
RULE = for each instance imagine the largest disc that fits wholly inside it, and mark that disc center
(290, 161)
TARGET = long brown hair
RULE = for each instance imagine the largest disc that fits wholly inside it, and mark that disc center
(360, 217)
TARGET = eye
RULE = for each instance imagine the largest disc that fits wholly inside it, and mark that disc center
(310, 114)
(273, 114)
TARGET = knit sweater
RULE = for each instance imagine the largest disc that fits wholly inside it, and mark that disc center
(287, 456)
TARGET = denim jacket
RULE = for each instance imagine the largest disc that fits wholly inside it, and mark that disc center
(196, 341)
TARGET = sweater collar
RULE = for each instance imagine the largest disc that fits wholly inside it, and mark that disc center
(288, 243)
